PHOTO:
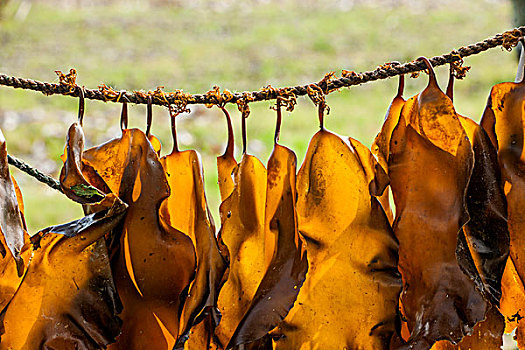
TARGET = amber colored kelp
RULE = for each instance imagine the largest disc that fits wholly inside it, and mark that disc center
(226, 169)
(11, 220)
(153, 263)
(12, 232)
(67, 299)
(286, 271)
(349, 298)
(267, 258)
(226, 163)
(186, 210)
(485, 240)
(503, 119)
(201, 334)
(486, 335)
(486, 237)
(430, 164)
(483, 248)
(381, 145)
(72, 180)
(242, 232)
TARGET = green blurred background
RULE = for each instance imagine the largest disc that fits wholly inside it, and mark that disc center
(239, 45)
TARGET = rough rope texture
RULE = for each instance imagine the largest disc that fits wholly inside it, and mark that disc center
(507, 39)
(67, 86)
(37, 174)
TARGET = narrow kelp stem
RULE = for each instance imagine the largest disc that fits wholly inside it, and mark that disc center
(230, 145)
(173, 117)
(244, 116)
(149, 116)
(432, 81)
(81, 106)
(450, 85)
(401, 86)
(124, 117)
(278, 122)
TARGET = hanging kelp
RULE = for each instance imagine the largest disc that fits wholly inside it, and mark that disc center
(67, 299)
(503, 120)
(11, 220)
(72, 180)
(483, 247)
(486, 335)
(153, 263)
(286, 271)
(349, 298)
(267, 259)
(381, 145)
(186, 182)
(483, 244)
(429, 148)
(201, 334)
(242, 232)
(226, 163)
(15, 253)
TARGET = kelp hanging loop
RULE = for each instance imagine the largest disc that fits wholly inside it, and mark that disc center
(124, 116)
(81, 106)
(149, 115)
(244, 108)
(174, 112)
(278, 122)
(317, 96)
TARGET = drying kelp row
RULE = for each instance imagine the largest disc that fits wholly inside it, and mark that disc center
(313, 258)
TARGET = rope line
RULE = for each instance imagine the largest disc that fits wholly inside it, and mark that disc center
(329, 83)
(37, 174)
(67, 86)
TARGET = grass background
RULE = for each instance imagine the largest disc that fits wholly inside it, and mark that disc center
(194, 45)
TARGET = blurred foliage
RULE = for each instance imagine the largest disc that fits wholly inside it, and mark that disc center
(194, 45)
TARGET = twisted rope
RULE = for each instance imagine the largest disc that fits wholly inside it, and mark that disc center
(329, 83)
(507, 40)
(37, 174)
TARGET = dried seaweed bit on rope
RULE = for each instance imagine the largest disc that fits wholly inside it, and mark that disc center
(217, 98)
(68, 79)
(349, 74)
(285, 96)
(324, 83)
(511, 39)
(243, 103)
(317, 96)
(109, 93)
(180, 99)
(288, 100)
(458, 70)
(390, 65)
